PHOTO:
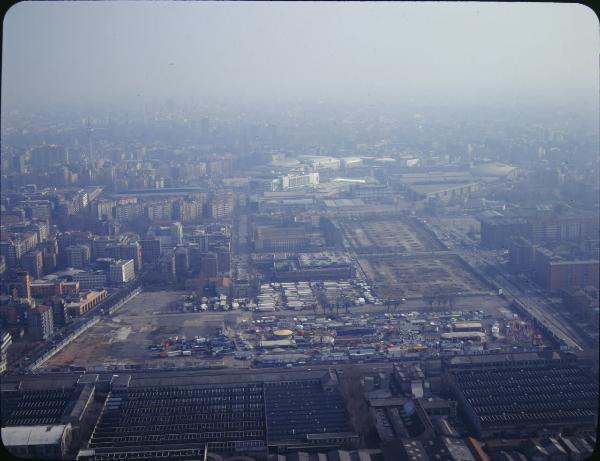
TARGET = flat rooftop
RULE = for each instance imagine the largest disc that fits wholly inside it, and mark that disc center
(529, 396)
(32, 435)
(182, 415)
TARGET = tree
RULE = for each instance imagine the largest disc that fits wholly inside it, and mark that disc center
(352, 391)
(388, 305)
(331, 309)
(452, 296)
(441, 300)
(400, 300)
(444, 299)
(345, 303)
(429, 299)
(229, 322)
(446, 295)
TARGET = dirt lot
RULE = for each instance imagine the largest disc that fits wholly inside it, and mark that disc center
(124, 338)
(406, 276)
(461, 224)
(384, 235)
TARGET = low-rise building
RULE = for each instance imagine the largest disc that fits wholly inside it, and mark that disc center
(279, 238)
(46, 288)
(91, 280)
(85, 302)
(536, 394)
(38, 442)
(441, 185)
(295, 181)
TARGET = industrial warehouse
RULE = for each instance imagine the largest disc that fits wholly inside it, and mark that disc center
(166, 418)
(538, 393)
(279, 414)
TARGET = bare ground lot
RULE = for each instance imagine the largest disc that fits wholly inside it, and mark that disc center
(418, 276)
(383, 235)
(462, 224)
(123, 339)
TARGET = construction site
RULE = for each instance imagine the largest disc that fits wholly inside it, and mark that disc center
(388, 234)
(125, 338)
(420, 276)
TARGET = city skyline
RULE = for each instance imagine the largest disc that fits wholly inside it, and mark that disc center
(300, 231)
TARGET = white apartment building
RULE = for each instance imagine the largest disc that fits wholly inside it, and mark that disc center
(121, 271)
(291, 181)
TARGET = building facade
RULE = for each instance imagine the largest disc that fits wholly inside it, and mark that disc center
(40, 323)
(121, 271)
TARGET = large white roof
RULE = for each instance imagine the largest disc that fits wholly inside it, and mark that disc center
(32, 435)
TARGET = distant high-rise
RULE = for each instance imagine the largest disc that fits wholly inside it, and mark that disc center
(222, 204)
(209, 265)
(166, 265)
(99, 245)
(194, 257)
(24, 284)
(49, 260)
(40, 322)
(122, 271)
(150, 250)
(33, 262)
(181, 262)
(187, 211)
(126, 251)
(177, 233)
(78, 256)
(162, 211)
(44, 156)
(12, 250)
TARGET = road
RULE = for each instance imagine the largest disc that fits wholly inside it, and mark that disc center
(539, 308)
(486, 263)
(137, 375)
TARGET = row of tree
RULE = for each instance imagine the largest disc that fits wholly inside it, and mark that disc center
(353, 392)
(441, 297)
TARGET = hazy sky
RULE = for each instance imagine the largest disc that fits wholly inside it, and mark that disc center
(119, 52)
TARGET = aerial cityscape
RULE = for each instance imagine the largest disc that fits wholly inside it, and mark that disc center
(242, 266)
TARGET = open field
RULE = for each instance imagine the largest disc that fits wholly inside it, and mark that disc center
(463, 224)
(418, 276)
(123, 339)
(388, 235)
